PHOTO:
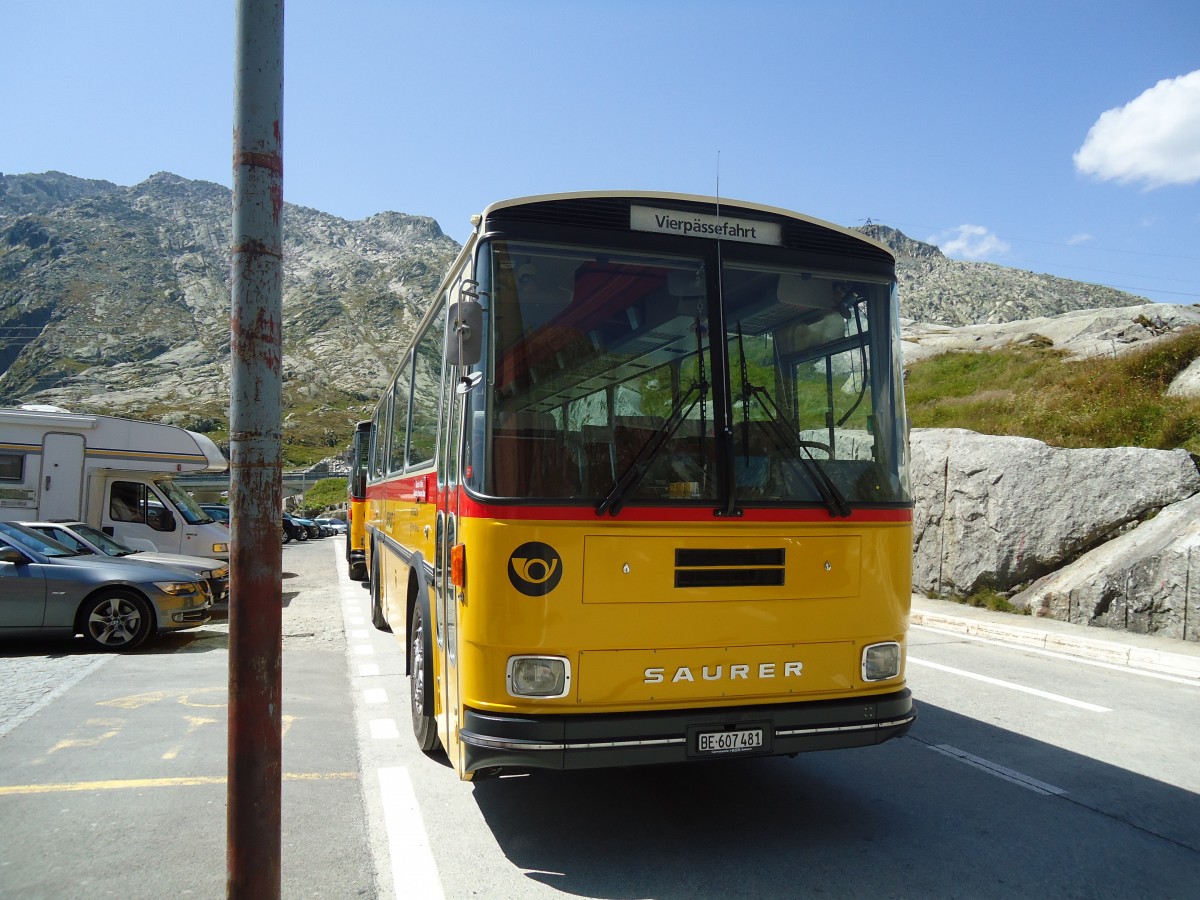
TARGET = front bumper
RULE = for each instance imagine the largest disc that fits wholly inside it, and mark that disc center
(627, 739)
(219, 589)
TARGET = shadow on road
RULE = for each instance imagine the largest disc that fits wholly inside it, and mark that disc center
(890, 821)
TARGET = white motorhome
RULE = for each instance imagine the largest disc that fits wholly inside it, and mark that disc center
(116, 474)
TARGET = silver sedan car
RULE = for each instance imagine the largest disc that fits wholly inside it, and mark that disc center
(47, 589)
(84, 538)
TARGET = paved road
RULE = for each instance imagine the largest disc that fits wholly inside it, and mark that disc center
(113, 766)
(1028, 774)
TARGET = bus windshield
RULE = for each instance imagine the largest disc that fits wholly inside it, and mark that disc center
(604, 385)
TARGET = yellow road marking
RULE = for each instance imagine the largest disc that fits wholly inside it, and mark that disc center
(112, 729)
(187, 698)
(136, 701)
(195, 723)
(12, 790)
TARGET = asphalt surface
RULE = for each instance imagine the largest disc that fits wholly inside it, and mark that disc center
(112, 767)
(1118, 648)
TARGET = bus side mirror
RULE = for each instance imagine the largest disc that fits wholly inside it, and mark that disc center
(466, 334)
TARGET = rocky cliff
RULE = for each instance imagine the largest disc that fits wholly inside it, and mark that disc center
(943, 291)
(117, 299)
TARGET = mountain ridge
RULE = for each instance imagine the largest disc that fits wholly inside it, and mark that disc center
(116, 299)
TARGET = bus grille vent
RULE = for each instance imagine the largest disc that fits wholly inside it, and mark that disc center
(729, 568)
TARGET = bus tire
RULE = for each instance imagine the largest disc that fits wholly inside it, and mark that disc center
(378, 619)
(420, 661)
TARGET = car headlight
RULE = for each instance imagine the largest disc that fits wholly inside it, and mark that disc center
(220, 548)
(881, 661)
(219, 573)
(538, 676)
(177, 588)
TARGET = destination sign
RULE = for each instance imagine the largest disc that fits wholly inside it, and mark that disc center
(672, 221)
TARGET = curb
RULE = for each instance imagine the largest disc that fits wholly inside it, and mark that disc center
(1112, 652)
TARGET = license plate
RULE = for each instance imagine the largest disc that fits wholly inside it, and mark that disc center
(740, 741)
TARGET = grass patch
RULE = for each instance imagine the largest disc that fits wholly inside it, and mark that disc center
(1037, 392)
(986, 598)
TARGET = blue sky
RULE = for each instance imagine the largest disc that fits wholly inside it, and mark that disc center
(1059, 137)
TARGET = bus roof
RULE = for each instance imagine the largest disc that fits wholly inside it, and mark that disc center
(718, 202)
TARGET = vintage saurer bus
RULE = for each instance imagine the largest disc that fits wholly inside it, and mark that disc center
(356, 502)
(638, 491)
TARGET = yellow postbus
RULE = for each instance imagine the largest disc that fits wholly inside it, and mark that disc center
(638, 491)
(356, 502)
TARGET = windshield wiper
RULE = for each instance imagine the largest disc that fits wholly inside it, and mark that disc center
(632, 476)
(833, 498)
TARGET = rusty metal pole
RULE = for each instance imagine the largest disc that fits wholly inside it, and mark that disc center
(256, 485)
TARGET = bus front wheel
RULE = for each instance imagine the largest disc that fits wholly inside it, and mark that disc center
(420, 673)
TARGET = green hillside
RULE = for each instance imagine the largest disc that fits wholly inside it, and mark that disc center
(1038, 392)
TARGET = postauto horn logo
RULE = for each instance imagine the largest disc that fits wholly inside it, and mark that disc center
(535, 569)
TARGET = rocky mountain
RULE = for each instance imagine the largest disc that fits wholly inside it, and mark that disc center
(116, 299)
(938, 290)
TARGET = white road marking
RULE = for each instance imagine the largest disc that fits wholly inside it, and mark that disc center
(384, 729)
(413, 870)
(413, 867)
(364, 649)
(1009, 775)
(1054, 654)
(1046, 695)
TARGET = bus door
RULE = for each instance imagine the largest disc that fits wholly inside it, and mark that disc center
(449, 597)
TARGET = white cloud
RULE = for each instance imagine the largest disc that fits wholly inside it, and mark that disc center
(970, 242)
(1153, 139)
(1076, 239)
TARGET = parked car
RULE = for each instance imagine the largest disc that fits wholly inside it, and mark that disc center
(218, 512)
(49, 590)
(84, 538)
(293, 530)
(314, 530)
(336, 526)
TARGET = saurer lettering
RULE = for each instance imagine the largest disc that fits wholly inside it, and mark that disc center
(732, 672)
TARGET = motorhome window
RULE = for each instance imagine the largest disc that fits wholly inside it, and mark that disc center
(127, 502)
(184, 502)
(12, 466)
(133, 501)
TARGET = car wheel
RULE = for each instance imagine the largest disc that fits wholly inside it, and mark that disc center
(303, 535)
(115, 620)
(286, 536)
(420, 669)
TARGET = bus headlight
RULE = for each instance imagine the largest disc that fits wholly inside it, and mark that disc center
(538, 676)
(881, 661)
